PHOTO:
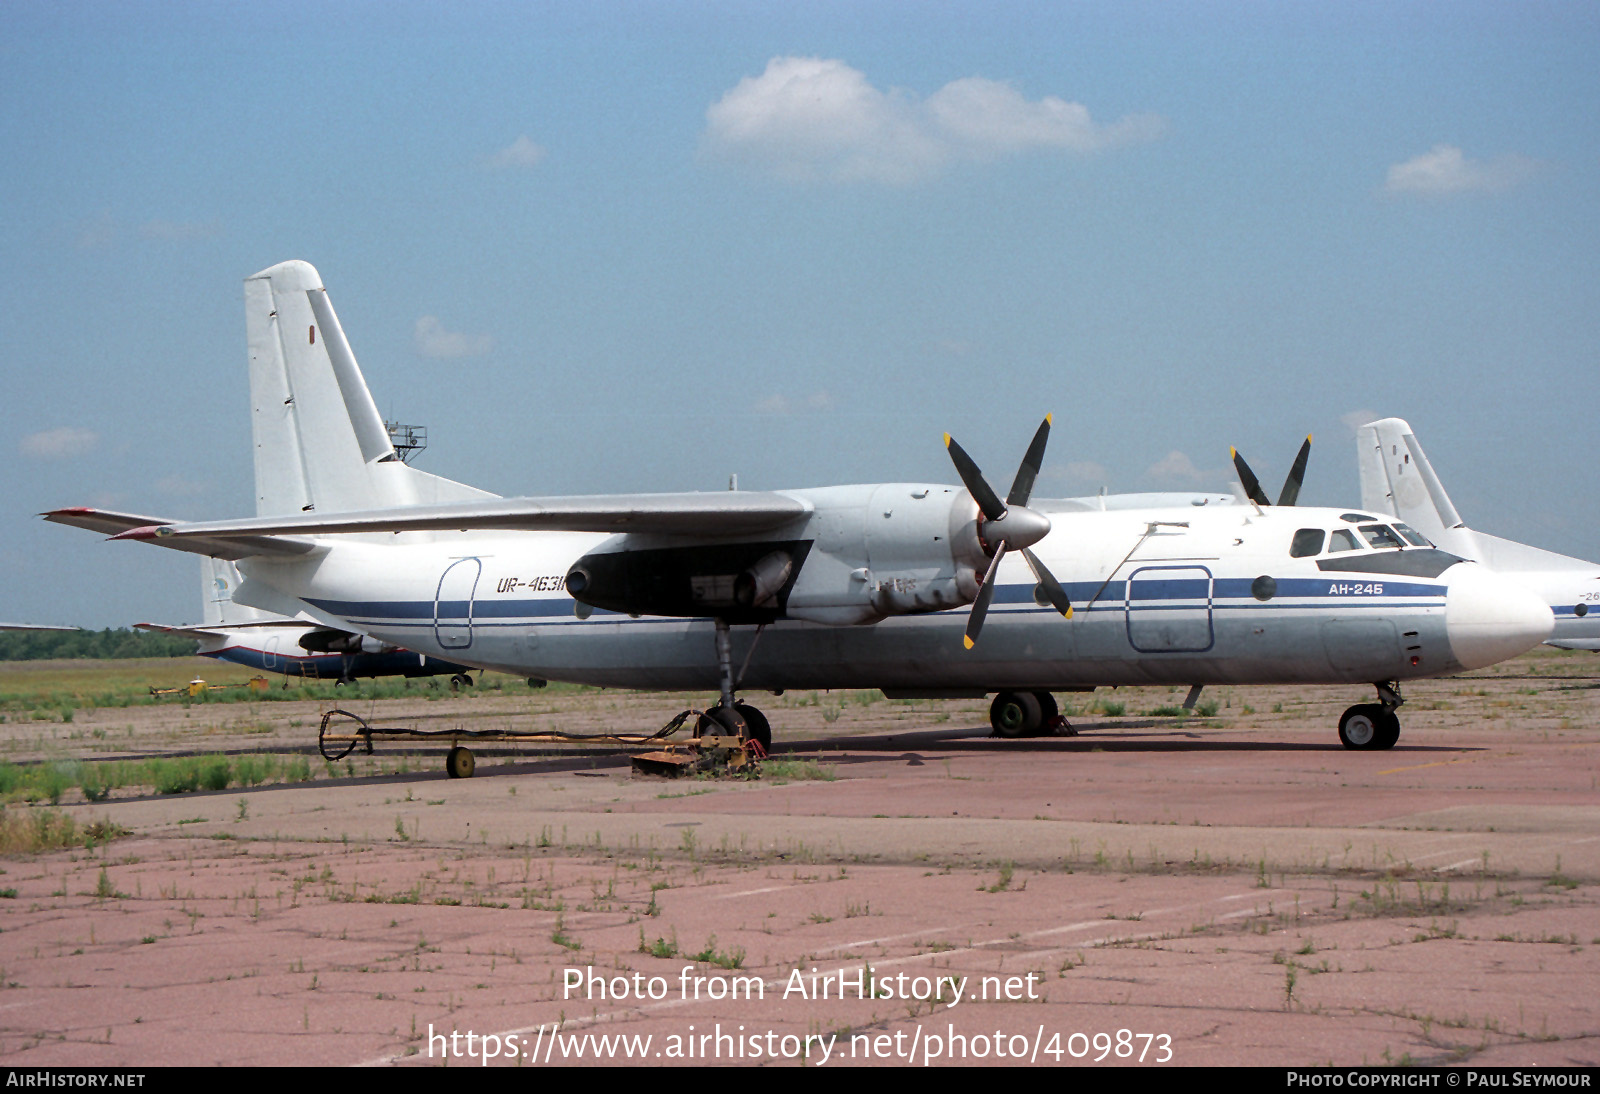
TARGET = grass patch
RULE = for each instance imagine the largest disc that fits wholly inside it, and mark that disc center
(797, 771)
(33, 831)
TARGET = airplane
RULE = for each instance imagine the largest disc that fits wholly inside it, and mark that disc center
(819, 588)
(294, 647)
(1396, 477)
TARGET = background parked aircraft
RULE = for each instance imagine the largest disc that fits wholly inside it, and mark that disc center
(294, 647)
(1397, 477)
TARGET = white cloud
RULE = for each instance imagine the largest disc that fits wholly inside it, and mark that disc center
(1086, 471)
(180, 487)
(434, 341)
(783, 404)
(1355, 419)
(806, 118)
(1446, 170)
(105, 231)
(1175, 467)
(59, 444)
(521, 152)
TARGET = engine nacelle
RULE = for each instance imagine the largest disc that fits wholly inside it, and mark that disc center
(739, 582)
(328, 640)
(894, 549)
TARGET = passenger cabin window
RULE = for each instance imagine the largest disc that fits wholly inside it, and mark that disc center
(1307, 542)
(1379, 535)
(1412, 536)
(1342, 540)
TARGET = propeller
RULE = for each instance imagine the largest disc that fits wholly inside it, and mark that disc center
(1008, 526)
(1291, 485)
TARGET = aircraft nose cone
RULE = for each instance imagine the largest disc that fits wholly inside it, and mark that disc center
(1489, 619)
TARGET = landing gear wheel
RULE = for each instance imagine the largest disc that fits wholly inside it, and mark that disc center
(1388, 730)
(460, 680)
(1015, 714)
(756, 726)
(1359, 728)
(1048, 713)
(459, 763)
(719, 721)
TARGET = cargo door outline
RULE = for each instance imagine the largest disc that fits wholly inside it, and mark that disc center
(452, 603)
(1169, 609)
(269, 654)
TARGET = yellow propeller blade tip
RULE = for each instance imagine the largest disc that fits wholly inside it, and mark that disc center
(947, 440)
(967, 642)
(1067, 614)
(1050, 418)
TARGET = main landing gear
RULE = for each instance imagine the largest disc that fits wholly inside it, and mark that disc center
(730, 716)
(1372, 726)
(1027, 714)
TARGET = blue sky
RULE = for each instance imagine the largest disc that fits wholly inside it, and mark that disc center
(623, 247)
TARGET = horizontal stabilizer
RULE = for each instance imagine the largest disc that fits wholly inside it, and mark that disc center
(126, 525)
(706, 515)
(162, 628)
(205, 629)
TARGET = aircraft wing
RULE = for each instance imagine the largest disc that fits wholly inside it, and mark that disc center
(117, 525)
(707, 515)
(34, 627)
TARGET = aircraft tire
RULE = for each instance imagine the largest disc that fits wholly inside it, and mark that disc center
(1048, 712)
(459, 763)
(1015, 714)
(756, 726)
(719, 721)
(1388, 730)
(460, 680)
(1359, 727)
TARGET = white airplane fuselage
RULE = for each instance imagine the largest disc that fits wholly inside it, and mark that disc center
(1176, 596)
(874, 586)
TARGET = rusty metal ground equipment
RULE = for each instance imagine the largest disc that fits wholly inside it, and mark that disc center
(341, 732)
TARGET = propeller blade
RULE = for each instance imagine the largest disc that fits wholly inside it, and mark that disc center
(1297, 475)
(1247, 479)
(972, 478)
(1054, 593)
(980, 606)
(1022, 487)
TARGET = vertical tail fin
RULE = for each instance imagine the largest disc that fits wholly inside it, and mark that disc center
(1397, 478)
(218, 579)
(320, 444)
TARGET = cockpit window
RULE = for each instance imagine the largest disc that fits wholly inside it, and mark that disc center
(1379, 535)
(1342, 540)
(1412, 536)
(1307, 542)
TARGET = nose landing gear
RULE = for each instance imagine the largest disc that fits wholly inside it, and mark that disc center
(1373, 726)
